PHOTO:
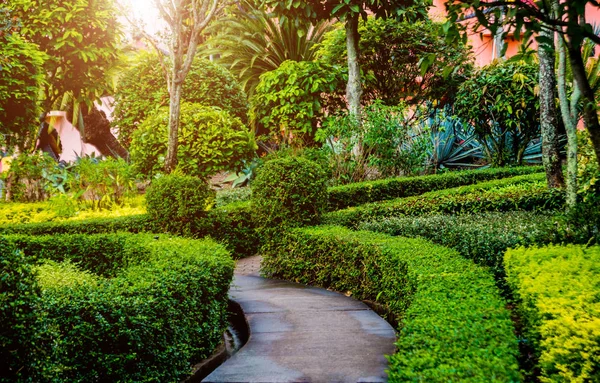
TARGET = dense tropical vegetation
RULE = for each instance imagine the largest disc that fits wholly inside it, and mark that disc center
(354, 145)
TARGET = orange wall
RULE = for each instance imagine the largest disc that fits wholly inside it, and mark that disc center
(483, 45)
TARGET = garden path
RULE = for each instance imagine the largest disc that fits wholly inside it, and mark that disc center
(304, 334)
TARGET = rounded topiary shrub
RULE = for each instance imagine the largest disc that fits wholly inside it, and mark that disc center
(210, 141)
(289, 192)
(175, 202)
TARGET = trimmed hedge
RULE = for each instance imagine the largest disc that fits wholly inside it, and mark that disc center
(231, 224)
(372, 191)
(453, 322)
(482, 237)
(527, 192)
(153, 308)
(558, 288)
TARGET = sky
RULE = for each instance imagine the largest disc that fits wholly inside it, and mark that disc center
(146, 11)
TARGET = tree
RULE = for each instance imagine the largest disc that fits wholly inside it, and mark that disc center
(566, 18)
(349, 11)
(186, 19)
(391, 57)
(21, 77)
(80, 38)
(251, 41)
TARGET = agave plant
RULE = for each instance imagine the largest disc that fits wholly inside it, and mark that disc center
(251, 41)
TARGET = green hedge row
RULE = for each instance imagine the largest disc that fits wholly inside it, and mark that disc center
(453, 323)
(527, 192)
(231, 224)
(123, 307)
(372, 191)
(558, 290)
(482, 237)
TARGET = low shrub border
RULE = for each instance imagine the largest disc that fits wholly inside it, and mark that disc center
(557, 289)
(453, 322)
(372, 191)
(232, 224)
(482, 237)
(527, 192)
(124, 307)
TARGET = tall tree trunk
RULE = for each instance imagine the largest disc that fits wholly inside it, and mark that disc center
(568, 109)
(548, 117)
(353, 88)
(174, 112)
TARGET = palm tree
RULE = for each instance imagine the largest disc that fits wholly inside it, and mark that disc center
(251, 41)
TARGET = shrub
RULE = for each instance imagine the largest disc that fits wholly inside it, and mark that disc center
(142, 90)
(289, 191)
(527, 192)
(288, 102)
(163, 309)
(482, 237)
(24, 179)
(372, 191)
(174, 201)
(557, 288)
(210, 140)
(453, 325)
(19, 299)
(101, 183)
(228, 196)
(501, 103)
(388, 146)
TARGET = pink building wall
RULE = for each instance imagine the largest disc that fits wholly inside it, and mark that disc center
(483, 45)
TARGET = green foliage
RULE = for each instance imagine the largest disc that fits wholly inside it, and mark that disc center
(557, 288)
(80, 38)
(453, 325)
(391, 57)
(20, 80)
(101, 184)
(289, 192)
(372, 191)
(501, 103)
(251, 41)
(210, 140)
(482, 237)
(588, 170)
(527, 192)
(228, 196)
(289, 102)
(19, 298)
(379, 142)
(174, 201)
(171, 291)
(24, 181)
(142, 90)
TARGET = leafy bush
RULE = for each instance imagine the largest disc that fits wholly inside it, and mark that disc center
(288, 102)
(24, 180)
(453, 325)
(174, 201)
(557, 288)
(482, 237)
(101, 184)
(501, 103)
(163, 309)
(227, 196)
(380, 144)
(19, 299)
(210, 140)
(142, 90)
(402, 61)
(371, 191)
(289, 191)
(528, 192)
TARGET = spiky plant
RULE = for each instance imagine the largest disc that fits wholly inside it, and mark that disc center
(251, 41)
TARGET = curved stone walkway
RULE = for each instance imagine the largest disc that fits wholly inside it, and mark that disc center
(304, 334)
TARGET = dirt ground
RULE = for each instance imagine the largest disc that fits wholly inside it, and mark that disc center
(248, 266)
